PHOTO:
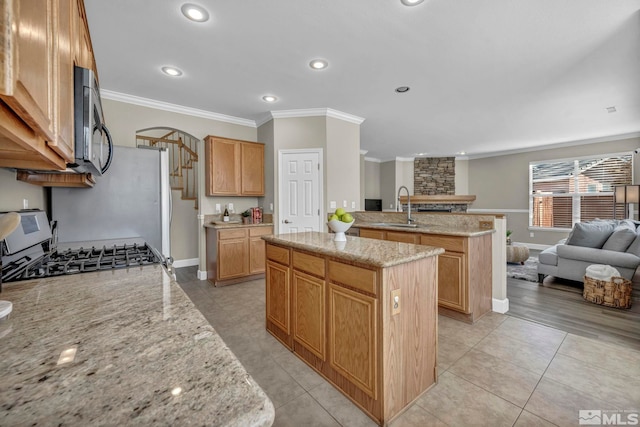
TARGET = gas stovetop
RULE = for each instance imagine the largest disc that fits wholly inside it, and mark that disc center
(81, 260)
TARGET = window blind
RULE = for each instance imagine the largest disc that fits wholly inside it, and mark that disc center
(563, 192)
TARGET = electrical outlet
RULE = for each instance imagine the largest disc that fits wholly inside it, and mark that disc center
(217, 207)
(231, 207)
(271, 207)
(332, 204)
(531, 234)
(344, 203)
(353, 205)
(25, 203)
(395, 302)
(486, 225)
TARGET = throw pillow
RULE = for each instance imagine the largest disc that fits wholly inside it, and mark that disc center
(590, 234)
(634, 247)
(620, 240)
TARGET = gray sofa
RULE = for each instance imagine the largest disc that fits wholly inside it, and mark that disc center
(613, 242)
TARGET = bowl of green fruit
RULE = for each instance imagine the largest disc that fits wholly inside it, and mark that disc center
(339, 222)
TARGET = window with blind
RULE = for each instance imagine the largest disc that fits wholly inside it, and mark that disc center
(563, 192)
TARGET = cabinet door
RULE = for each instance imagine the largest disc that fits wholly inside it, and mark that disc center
(63, 89)
(252, 169)
(309, 313)
(353, 337)
(372, 234)
(26, 80)
(256, 255)
(278, 296)
(222, 167)
(233, 258)
(452, 283)
(398, 236)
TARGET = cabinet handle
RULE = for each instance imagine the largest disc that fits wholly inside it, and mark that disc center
(286, 221)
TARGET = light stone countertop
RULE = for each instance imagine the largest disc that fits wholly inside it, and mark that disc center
(137, 338)
(219, 226)
(377, 253)
(449, 230)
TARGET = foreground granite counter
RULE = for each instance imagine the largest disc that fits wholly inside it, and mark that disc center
(144, 355)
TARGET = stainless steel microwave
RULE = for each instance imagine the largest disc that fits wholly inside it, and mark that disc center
(93, 145)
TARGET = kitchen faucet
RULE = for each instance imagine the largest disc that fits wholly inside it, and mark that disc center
(409, 220)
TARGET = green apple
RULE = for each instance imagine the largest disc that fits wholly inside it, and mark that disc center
(334, 216)
(340, 212)
(346, 218)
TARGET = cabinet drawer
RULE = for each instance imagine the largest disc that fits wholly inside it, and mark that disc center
(260, 231)
(396, 236)
(449, 243)
(235, 233)
(309, 263)
(356, 277)
(278, 254)
(372, 234)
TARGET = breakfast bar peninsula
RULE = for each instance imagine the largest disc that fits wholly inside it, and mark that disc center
(362, 313)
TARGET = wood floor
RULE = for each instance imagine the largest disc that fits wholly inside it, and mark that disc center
(559, 304)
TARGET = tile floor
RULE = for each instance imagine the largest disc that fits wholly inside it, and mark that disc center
(501, 371)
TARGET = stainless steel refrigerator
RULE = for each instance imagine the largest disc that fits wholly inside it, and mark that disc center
(132, 200)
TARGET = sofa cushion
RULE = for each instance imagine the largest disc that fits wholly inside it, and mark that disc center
(634, 247)
(620, 239)
(549, 256)
(598, 256)
(590, 234)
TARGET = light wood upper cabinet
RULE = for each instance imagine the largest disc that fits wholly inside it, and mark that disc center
(233, 167)
(40, 41)
(252, 169)
(26, 79)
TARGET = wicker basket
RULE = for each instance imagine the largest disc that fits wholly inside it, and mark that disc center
(614, 293)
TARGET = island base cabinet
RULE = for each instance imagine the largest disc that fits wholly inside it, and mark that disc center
(278, 302)
(452, 291)
(343, 324)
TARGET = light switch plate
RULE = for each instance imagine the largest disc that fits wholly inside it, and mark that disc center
(231, 207)
(332, 204)
(217, 207)
(395, 302)
(344, 203)
(353, 205)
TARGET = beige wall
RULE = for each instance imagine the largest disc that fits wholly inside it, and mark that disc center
(12, 192)
(404, 175)
(371, 180)
(187, 234)
(388, 185)
(501, 184)
(462, 176)
(265, 135)
(342, 164)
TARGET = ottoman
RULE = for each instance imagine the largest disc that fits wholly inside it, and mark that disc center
(517, 253)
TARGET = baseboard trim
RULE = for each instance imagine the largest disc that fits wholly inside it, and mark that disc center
(500, 305)
(185, 262)
(536, 246)
(202, 275)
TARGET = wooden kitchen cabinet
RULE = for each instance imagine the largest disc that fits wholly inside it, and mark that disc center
(40, 44)
(235, 254)
(233, 167)
(309, 313)
(464, 270)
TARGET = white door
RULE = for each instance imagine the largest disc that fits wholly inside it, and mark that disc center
(300, 187)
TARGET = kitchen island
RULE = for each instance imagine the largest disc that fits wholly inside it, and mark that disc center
(362, 313)
(118, 347)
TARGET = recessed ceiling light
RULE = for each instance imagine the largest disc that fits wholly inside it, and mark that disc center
(611, 109)
(172, 71)
(269, 98)
(403, 89)
(461, 153)
(411, 2)
(318, 64)
(420, 154)
(194, 12)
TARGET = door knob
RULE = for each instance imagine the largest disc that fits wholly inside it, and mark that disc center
(286, 221)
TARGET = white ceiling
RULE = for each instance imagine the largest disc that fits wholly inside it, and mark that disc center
(486, 76)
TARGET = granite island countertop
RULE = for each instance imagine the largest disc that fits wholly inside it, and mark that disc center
(378, 253)
(221, 225)
(144, 355)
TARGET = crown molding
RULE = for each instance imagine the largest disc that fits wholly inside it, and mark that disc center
(568, 143)
(174, 108)
(316, 112)
(405, 159)
(363, 152)
(264, 119)
(372, 159)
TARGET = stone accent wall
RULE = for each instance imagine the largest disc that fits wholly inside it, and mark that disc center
(434, 176)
